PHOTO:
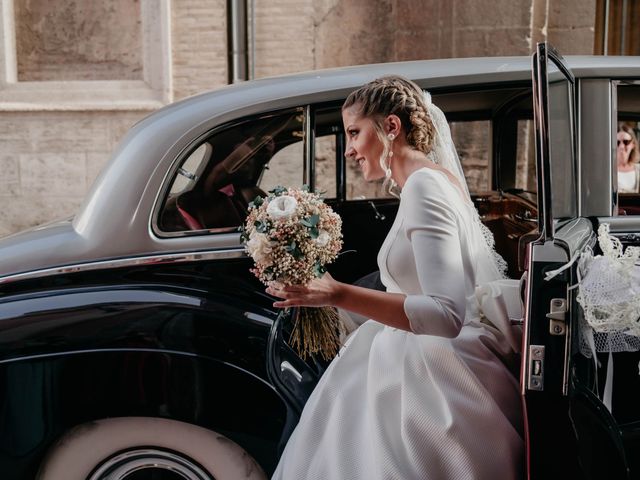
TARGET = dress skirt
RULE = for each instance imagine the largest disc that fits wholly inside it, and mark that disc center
(396, 405)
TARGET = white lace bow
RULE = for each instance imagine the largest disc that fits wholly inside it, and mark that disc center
(609, 293)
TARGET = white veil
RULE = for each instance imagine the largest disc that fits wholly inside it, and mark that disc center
(490, 265)
(497, 298)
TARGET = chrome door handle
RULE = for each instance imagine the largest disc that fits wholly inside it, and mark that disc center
(287, 367)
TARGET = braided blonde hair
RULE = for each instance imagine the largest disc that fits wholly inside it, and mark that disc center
(395, 95)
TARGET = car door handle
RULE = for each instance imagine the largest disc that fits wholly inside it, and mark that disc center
(287, 367)
(377, 214)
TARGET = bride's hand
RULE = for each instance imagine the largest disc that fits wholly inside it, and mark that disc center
(319, 293)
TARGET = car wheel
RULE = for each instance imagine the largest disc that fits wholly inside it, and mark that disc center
(144, 448)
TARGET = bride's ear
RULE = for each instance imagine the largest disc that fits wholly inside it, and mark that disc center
(392, 125)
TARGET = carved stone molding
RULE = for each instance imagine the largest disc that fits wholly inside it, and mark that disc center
(153, 90)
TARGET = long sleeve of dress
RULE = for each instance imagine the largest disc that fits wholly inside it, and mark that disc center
(432, 230)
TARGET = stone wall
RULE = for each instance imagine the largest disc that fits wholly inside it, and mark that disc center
(49, 160)
(78, 40)
(199, 46)
(52, 152)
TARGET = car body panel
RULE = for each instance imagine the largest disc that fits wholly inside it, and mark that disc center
(121, 200)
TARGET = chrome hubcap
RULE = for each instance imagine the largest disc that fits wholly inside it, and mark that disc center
(149, 464)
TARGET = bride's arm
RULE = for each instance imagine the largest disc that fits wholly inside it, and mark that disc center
(433, 233)
(387, 308)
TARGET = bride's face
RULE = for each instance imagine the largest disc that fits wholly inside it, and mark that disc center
(363, 144)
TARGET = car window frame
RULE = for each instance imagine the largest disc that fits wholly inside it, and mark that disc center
(192, 146)
(615, 118)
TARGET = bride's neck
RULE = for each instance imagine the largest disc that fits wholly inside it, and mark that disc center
(407, 162)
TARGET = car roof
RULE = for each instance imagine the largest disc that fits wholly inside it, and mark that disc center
(335, 83)
(114, 221)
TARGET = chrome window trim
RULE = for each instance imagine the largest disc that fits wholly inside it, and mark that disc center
(154, 229)
(180, 257)
(309, 166)
(39, 356)
(613, 160)
(123, 464)
(577, 91)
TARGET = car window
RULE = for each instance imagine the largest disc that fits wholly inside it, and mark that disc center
(212, 187)
(473, 143)
(191, 169)
(285, 168)
(326, 148)
(626, 149)
(526, 157)
(329, 155)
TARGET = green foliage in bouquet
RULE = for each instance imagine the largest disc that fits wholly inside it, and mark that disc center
(292, 235)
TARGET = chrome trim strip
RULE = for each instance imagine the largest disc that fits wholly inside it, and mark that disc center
(45, 356)
(540, 119)
(120, 466)
(308, 168)
(577, 91)
(126, 262)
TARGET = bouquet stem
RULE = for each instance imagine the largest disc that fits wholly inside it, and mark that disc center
(317, 331)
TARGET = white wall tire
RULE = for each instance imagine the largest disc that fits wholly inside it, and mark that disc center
(88, 451)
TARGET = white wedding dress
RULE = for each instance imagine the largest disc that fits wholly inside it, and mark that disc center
(422, 405)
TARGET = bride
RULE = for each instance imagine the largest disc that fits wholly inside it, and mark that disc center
(423, 390)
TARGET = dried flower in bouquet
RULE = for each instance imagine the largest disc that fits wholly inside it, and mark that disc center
(292, 235)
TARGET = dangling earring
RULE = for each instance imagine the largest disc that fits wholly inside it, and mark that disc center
(387, 167)
(385, 158)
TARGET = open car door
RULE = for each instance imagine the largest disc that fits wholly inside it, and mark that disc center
(570, 433)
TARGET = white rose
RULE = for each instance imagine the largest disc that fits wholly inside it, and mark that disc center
(259, 247)
(282, 207)
(322, 239)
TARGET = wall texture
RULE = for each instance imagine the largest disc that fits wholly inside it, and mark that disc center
(52, 152)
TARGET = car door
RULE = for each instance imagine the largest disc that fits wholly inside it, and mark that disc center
(569, 432)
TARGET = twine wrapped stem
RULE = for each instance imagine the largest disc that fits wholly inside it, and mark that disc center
(317, 331)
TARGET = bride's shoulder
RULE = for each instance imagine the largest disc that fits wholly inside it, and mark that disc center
(425, 182)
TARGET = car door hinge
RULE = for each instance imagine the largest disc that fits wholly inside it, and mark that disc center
(556, 316)
(535, 380)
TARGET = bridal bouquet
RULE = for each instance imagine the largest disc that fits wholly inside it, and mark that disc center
(292, 235)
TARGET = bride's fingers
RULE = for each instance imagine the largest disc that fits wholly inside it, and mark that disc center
(276, 292)
(291, 302)
(283, 304)
(296, 288)
(293, 298)
(286, 291)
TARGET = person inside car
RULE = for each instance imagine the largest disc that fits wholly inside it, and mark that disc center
(628, 160)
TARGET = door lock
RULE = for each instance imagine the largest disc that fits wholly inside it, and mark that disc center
(556, 316)
(535, 375)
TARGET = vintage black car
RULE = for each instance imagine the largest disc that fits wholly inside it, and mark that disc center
(136, 344)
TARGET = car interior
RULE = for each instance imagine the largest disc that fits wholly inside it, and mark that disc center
(211, 191)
